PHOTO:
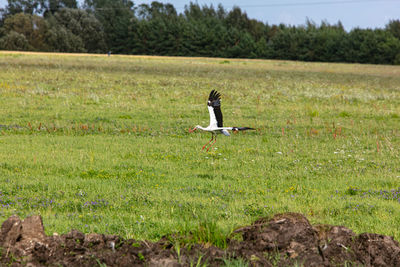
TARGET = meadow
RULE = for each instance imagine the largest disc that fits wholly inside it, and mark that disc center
(101, 144)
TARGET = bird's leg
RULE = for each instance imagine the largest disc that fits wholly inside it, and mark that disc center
(215, 140)
(212, 137)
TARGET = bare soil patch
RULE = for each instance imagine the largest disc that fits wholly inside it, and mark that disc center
(283, 240)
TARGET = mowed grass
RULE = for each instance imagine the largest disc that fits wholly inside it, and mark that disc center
(101, 144)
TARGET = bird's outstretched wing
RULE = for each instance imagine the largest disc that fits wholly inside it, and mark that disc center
(214, 108)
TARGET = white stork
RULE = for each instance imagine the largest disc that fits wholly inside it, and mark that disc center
(216, 122)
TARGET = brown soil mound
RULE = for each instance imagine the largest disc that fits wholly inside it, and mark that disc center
(284, 240)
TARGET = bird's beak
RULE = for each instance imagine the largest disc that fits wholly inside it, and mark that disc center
(192, 130)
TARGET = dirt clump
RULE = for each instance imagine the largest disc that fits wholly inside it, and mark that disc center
(283, 240)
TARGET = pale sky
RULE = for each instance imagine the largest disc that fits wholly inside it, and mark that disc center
(352, 13)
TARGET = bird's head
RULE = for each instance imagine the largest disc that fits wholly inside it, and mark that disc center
(194, 129)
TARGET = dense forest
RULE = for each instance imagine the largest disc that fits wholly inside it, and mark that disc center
(119, 26)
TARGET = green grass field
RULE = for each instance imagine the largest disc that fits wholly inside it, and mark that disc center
(101, 144)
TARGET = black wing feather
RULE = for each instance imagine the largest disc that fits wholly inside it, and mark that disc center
(214, 100)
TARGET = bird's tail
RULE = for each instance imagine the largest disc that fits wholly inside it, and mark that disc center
(241, 128)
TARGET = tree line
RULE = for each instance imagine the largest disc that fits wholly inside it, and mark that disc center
(119, 26)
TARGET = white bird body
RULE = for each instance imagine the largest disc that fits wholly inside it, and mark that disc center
(215, 130)
(216, 121)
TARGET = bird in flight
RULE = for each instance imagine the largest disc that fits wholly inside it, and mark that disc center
(216, 122)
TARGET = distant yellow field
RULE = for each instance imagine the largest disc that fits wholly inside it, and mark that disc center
(380, 70)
